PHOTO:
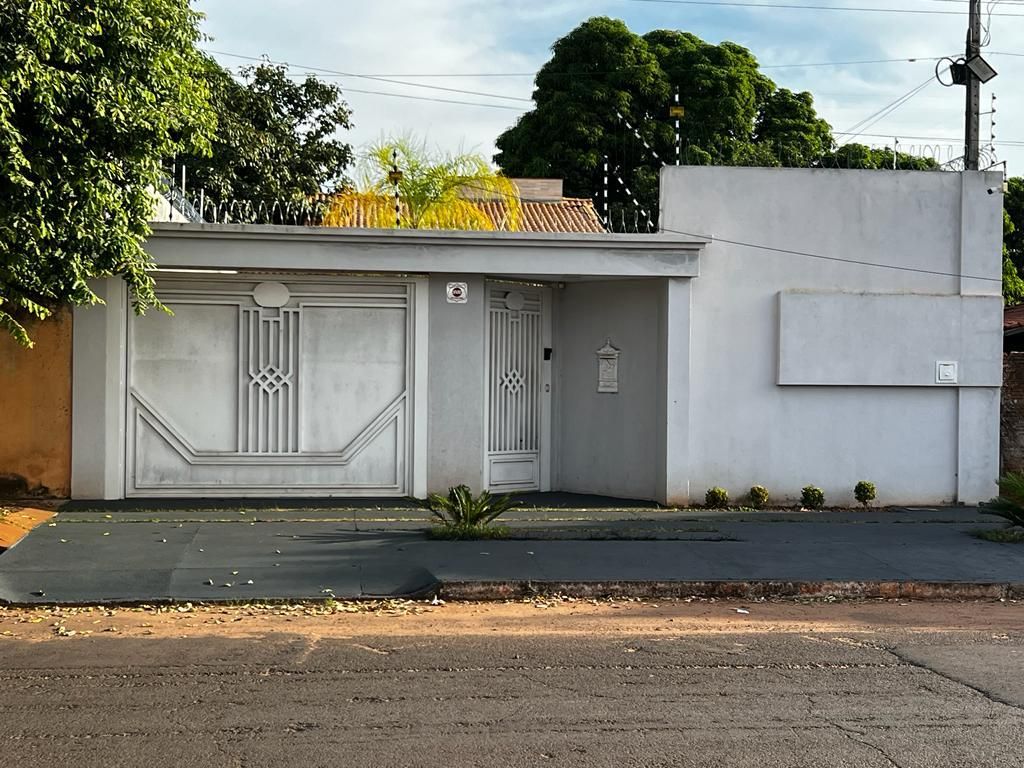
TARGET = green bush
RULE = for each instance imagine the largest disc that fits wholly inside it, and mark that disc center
(1009, 504)
(864, 492)
(716, 498)
(460, 514)
(758, 496)
(812, 497)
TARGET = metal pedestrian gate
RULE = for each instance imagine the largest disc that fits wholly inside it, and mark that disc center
(518, 387)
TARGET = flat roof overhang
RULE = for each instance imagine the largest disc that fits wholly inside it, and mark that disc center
(519, 255)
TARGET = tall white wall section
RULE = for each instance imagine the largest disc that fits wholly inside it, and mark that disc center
(776, 401)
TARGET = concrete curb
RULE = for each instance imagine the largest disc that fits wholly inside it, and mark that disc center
(917, 590)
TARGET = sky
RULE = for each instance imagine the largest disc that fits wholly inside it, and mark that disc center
(475, 45)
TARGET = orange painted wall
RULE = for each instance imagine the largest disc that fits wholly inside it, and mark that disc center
(35, 406)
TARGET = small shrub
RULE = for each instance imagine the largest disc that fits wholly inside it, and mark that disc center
(716, 498)
(1009, 504)
(864, 492)
(758, 496)
(460, 514)
(812, 497)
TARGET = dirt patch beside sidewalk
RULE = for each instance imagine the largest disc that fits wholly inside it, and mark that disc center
(16, 522)
(539, 616)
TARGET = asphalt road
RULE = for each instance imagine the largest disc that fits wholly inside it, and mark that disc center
(872, 698)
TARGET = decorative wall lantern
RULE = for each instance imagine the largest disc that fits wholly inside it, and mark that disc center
(608, 368)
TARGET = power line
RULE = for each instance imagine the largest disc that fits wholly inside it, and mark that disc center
(885, 111)
(851, 63)
(371, 77)
(1008, 142)
(795, 7)
(773, 249)
(592, 73)
(436, 100)
(595, 73)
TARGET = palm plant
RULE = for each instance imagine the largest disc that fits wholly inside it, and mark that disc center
(435, 190)
(463, 513)
(1009, 504)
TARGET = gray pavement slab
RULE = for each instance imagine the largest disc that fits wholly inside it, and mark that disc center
(90, 562)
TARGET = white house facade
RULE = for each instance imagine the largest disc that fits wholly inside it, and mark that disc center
(787, 327)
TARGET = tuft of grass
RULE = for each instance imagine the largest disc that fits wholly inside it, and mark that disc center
(468, 533)
(999, 535)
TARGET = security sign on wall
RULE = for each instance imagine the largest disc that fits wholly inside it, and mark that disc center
(458, 293)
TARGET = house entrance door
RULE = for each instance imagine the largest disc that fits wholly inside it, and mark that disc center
(518, 387)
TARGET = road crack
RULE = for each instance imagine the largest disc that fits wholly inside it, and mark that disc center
(959, 681)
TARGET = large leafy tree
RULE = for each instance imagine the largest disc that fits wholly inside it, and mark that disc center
(597, 71)
(733, 113)
(1013, 284)
(435, 190)
(92, 97)
(276, 138)
(1013, 241)
(1013, 235)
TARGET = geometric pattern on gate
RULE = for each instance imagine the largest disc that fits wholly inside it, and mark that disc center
(268, 414)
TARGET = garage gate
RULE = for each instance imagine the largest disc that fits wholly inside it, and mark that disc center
(269, 387)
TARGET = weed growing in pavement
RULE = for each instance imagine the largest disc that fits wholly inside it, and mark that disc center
(999, 535)
(461, 515)
(453, 533)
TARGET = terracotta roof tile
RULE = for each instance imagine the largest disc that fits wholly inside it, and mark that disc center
(1013, 318)
(570, 214)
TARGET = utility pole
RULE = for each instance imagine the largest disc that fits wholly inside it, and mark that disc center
(973, 106)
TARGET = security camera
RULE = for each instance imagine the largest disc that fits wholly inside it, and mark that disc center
(993, 190)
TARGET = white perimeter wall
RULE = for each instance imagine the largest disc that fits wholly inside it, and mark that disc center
(457, 383)
(607, 443)
(881, 416)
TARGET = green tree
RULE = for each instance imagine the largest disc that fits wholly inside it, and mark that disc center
(1013, 284)
(789, 126)
(92, 97)
(733, 113)
(435, 190)
(1013, 236)
(860, 156)
(276, 138)
(596, 71)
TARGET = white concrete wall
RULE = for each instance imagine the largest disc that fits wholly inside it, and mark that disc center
(607, 443)
(98, 392)
(457, 383)
(919, 444)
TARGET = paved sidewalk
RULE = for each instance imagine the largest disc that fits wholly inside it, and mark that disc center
(90, 557)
